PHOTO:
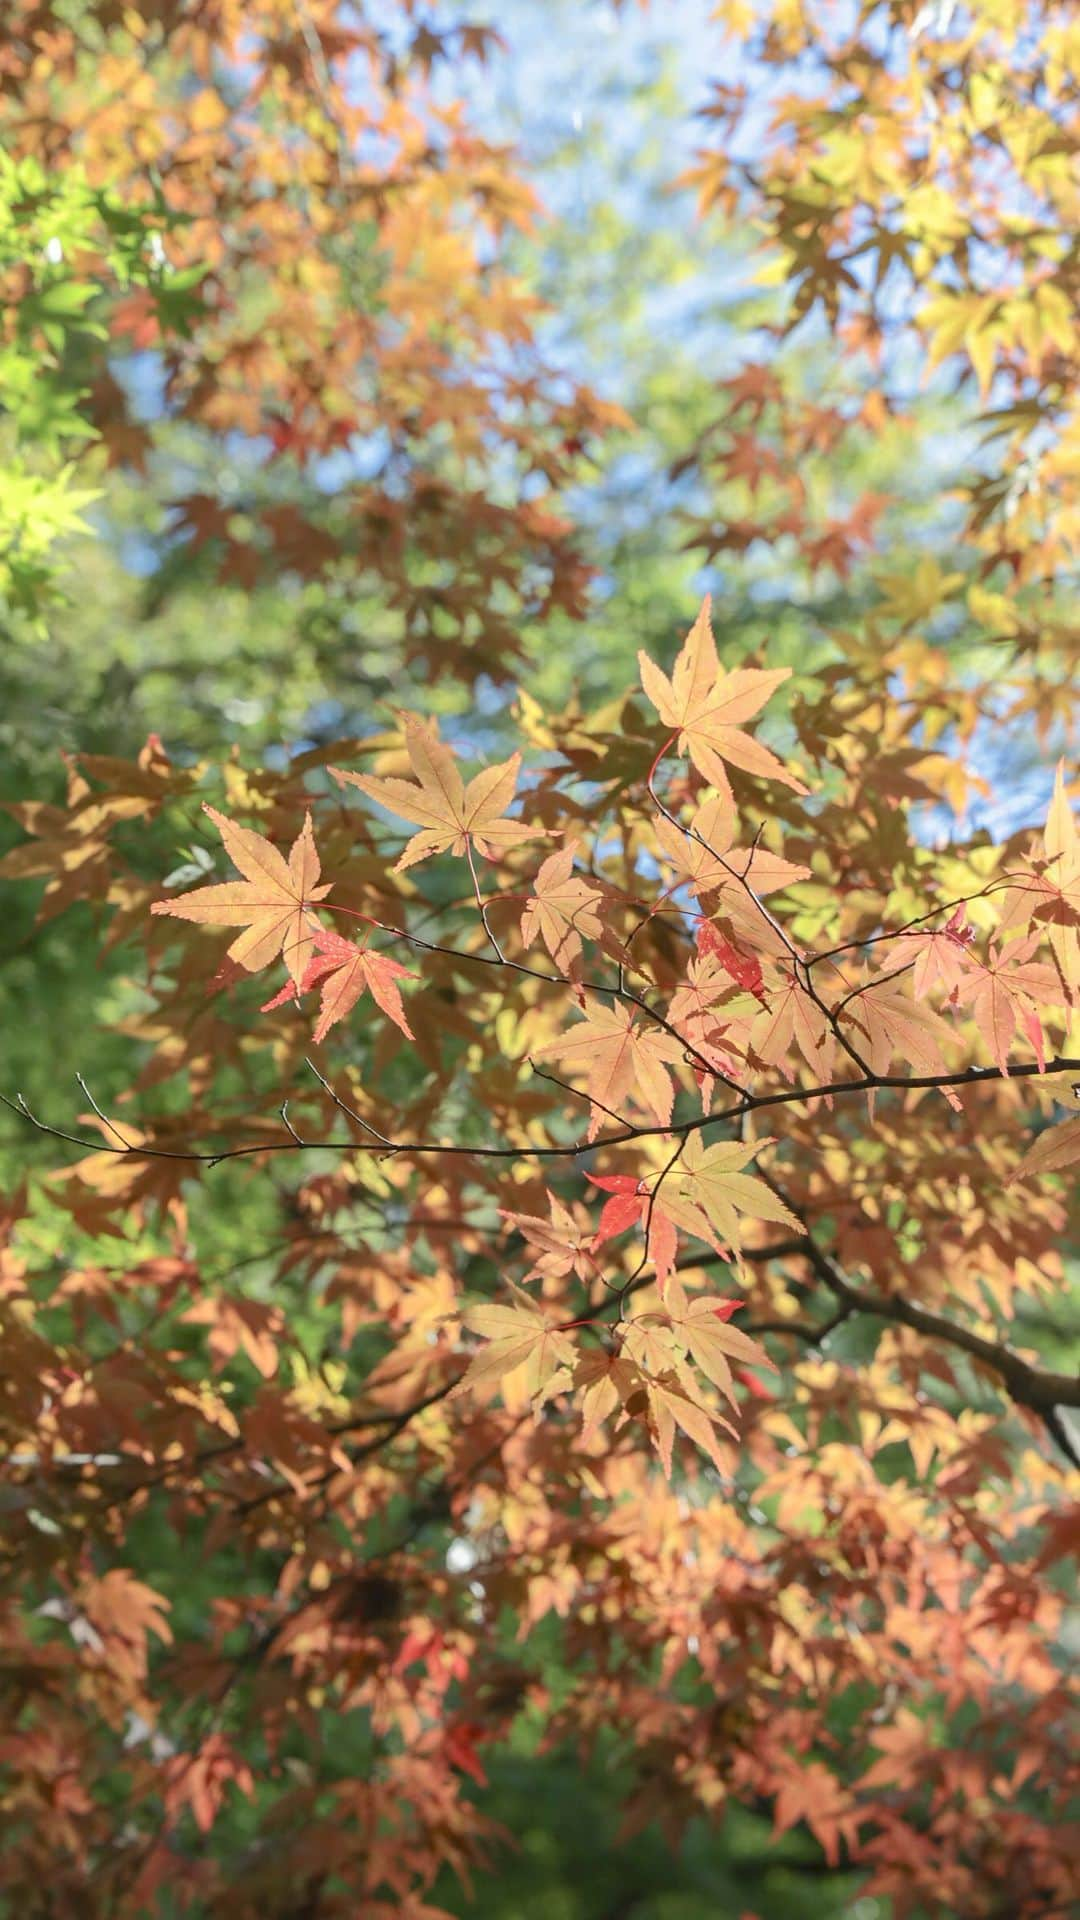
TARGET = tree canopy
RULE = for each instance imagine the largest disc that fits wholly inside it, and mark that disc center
(536, 1292)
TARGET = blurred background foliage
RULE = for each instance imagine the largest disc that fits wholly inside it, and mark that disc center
(644, 299)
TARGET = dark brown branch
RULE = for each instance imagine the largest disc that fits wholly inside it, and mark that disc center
(1038, 1389)
(747, 1103)
(798, 1329)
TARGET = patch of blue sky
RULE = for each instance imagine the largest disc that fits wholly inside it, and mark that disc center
(572, 93)
(363, 459)
(141, 376)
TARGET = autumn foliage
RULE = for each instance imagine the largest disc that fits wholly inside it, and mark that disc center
(660, 1136)
(327, 248)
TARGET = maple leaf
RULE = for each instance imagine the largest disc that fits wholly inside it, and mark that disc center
(629, 1197)
(891, 1024)
(813, 1794)
(239, 1323)
(648, 1339)
(520, 1337)
(1049, 897)
(792, 1016)
(345, 971)
(199, 1780)
(123, 1607)
(711, 861)
(943, 954)
(904, 1748)
(563, 910)
(1056, 1148)
(630, 1205)
(670, 1407)
(452, 816)
(743, 968)
(709, 1191)
(1007, 988)
(606, 1382)
(701, 1327)
(459, 1747)
(272, 903)
(561, 1244)
(706, 706)
(705, 1009)
(618, 1055)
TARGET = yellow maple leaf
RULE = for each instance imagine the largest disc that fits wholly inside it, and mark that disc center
(670, 1407)
(272, 903)
(712, 1342)
(619, 1056)
(564, 910)
(452, 816)
(1058, 1147)
(519, 1337)
(711, 861)
(709, 1191)
(706, 706)
(1049, 897)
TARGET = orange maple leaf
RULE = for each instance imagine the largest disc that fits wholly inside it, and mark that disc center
(813, 1794)
(698, 1010)
(706, 706)
(1010, 986)
(199, 1780)
(791, 1016)
(944, 954)
(452, 816)
(1049, 897)
(605, 1382)
(120, 1605)
(250, 1326)
(272, 903)
(559, 1245)
(619, 1056)
(670, 1406)
(904, 1748)
(1056, 1148)
(892, 1025)
(712, 863)
(563, 910)
(346, 971)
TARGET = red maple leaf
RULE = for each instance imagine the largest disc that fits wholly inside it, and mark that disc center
(345, 972)
(744, 968)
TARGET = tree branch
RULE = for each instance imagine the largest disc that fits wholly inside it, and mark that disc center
(747, 1103)
(1038, 1389)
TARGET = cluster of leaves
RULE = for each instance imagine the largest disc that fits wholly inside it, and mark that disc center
(65, 247)
(915, 202)
(347, 230)
(925, 171)
(767, 1238)
(639, 1331)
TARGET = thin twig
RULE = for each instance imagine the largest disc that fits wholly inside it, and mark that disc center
(103, 1117)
